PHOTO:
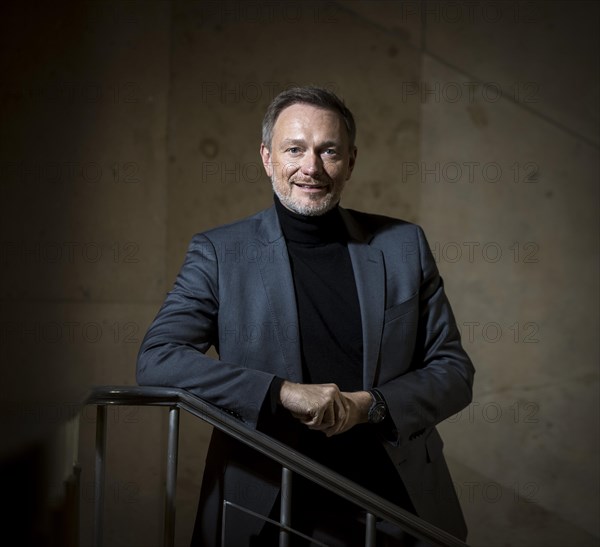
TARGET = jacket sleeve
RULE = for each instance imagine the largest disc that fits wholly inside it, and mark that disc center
(172, 353)
(440, 379)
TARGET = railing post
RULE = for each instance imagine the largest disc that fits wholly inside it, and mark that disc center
(100, 461)
(370, 532)
(291, 462)
(172, 448)
(286, 506)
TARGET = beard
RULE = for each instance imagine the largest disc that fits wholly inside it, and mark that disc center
(316, 205)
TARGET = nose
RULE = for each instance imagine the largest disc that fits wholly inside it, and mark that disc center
(311, 164)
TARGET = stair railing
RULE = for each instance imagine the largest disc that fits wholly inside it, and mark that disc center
(290, 460)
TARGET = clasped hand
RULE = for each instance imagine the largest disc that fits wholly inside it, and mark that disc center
(323, 407)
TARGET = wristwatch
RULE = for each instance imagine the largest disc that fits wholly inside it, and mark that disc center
(378, 409)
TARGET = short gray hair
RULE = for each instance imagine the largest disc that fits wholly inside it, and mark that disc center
(316, 96)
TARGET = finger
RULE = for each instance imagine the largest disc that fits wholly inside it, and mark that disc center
(329, 417)
(343, 423)
(314, 418)
(341, 409)
(324, 418)
(330, 412)
(302, 416)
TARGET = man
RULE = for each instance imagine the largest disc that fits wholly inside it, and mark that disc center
(333, 333)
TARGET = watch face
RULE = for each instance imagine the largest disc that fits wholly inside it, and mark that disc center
(377, 414)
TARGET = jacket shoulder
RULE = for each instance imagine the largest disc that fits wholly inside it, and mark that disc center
(244, 228)
(377, 226)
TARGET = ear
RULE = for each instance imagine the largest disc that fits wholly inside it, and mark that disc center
(266, 159)
(351, 161)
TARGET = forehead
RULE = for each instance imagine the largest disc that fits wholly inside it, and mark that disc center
(302, 119)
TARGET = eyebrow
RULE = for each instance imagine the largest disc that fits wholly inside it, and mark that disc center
(287, 142)
(297, 142)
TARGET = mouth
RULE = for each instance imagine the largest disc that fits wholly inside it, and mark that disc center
(310, 187)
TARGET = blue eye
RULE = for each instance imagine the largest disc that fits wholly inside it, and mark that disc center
(294, 149)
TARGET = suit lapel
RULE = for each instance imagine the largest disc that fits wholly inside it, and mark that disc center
(278, 283)
(369, 274)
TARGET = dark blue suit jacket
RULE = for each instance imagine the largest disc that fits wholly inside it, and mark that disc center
(235, 292)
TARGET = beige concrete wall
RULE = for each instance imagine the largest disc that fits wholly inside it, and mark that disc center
(527, 295)
(83, 156)
(132, 125)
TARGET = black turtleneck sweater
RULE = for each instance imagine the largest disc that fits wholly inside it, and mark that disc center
(328, 309)
(331, 345)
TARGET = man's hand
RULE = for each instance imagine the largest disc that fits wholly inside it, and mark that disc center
(319, 406)
(357, 411)
(324, 407)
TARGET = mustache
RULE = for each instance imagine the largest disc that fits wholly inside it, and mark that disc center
(311, 182)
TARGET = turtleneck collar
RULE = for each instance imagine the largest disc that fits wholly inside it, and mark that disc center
(312, 230)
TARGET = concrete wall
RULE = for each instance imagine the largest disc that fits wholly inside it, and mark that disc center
(83, 132)
(527, 297)
(133, 125)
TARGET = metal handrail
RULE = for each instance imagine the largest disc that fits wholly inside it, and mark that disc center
(290, 460)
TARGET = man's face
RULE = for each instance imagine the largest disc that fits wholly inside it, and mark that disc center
(310, 158)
